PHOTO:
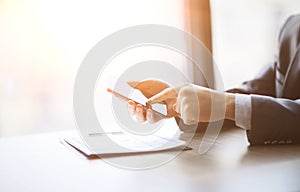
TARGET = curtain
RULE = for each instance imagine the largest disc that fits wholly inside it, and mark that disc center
(198, 23)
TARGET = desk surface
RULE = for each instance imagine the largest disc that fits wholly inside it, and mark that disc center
(42, 163)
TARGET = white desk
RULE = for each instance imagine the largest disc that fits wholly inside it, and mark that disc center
(42, 163)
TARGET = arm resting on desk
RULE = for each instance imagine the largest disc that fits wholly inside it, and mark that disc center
(274, 121)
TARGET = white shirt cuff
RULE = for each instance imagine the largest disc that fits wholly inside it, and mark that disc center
(243, 111)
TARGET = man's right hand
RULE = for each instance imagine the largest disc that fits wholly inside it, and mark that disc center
(149, 88)
(185, 102)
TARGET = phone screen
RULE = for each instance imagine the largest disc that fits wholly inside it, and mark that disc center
(124, 98)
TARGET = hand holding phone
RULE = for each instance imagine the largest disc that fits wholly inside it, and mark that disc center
(160, 114)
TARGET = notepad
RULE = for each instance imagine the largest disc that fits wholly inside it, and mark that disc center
(129, 144)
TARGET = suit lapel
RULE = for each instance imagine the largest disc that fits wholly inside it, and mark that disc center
(291, 77)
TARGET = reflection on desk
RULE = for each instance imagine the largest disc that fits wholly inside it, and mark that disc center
(41, 163)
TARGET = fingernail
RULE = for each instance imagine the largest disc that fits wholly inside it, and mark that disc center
(149, 115)
(138, 110)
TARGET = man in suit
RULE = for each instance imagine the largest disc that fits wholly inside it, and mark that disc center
(268, 107)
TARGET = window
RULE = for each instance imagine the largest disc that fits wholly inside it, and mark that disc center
(245, 35)
(43, 42)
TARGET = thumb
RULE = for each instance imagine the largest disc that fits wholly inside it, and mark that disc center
(133, 84)
(148, 87)
(168, 93)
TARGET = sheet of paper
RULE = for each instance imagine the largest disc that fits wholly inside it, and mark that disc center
(127, 144)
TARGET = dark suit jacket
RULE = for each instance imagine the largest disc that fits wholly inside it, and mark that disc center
(276, 99)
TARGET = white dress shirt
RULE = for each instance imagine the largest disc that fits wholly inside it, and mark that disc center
(243, 111)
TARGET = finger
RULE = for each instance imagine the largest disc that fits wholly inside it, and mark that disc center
(183, 115)
(131, 107)
(172, 111)
(133, 84)
(188, 111)
(150, 116)
(176, 107)
(169, 93)
(153, 117)
(148, 87)
(140, 113)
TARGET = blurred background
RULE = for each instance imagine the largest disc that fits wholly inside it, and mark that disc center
(42, 44)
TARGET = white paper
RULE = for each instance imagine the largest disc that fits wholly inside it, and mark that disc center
(126, 144)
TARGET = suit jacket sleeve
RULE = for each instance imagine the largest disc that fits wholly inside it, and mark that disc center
(262, 84)
(274, 121)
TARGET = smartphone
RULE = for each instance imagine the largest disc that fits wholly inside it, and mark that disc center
(124, 98)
